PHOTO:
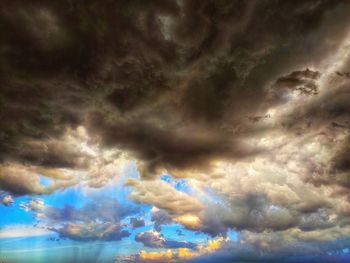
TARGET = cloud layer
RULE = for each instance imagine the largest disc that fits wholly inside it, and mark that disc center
(248, 101)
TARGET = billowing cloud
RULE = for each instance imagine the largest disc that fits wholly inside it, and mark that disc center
(246, 100)
(164, 149)
(64, 162)
(175, 205)
(189, 88)
(21, 180)
(163, 196)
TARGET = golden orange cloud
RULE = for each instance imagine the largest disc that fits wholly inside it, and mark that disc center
(189, 221)
(183, 253)
(163, 255)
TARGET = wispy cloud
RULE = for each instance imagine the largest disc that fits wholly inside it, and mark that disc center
(23, 231)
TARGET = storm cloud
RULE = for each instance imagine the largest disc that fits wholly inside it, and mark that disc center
(248, 101)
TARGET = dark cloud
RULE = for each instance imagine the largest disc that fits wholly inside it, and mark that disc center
(164, 88)
(161, 148)
(160, 217)
(341, 160)
(252, 212)
(302, 81)
(328, 118)
(154, 239)
(276, 248)
(50, 154)
(22, 180)
(97, 220)
(47, 72)
(180, 86)
(92, 231)
(135, 222)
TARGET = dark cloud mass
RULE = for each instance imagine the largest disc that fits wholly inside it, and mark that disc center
(163, 90)
(249, 101)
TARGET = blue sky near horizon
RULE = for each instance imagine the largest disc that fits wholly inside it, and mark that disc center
(51, 247)
(46, 246)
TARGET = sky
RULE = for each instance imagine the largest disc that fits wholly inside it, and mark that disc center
(174, 131)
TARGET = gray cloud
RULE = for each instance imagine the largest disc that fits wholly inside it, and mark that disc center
(163, 196)
(21, 180)
(160, 217)
(303, 81)
(154, 239)
(135, 222)
(281, 247)
(165, 99)
(97, 220)
(102, 209)
(92, 231)
(191, 88)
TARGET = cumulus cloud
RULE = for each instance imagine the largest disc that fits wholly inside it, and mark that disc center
(286, 246)
(248, 101)
(6, 200)
(34, 205)
(163, 196)
(97, 220)
(101, 209)
(183, 80)
(175, 205)
(64, 162)
(136, 222)
(160, 217)
(154, 239)
(21, 180)
(181, 254)
(92, 231)
(168, 149)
